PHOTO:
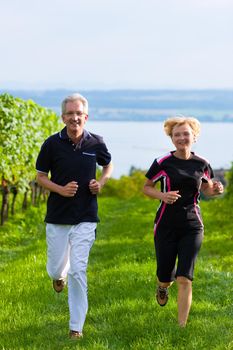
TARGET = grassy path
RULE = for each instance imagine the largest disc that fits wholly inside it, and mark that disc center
(123, 314)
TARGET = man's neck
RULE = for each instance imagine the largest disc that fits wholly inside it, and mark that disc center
(76, 137)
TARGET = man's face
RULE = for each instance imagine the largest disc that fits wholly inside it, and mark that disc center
(74, 117)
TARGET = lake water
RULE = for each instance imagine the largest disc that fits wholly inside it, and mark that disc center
(139, 143)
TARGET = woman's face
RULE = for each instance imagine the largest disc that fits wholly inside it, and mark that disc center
(183, 137)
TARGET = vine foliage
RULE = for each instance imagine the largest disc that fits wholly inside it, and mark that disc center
(24, 126)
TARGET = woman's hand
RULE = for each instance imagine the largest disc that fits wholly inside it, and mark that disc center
(212, 188)
(218, 187)
(152, 192)
(171, 197)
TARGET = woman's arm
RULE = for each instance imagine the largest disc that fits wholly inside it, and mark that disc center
(212, 188)
(152, 192)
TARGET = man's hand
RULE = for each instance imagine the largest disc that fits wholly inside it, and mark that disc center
(94, 186)
(69, 190)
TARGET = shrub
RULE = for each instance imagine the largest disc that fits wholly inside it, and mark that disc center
(125, 187)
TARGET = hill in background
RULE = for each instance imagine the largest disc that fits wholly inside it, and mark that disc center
(142, 105)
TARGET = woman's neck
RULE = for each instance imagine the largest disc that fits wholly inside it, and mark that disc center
(183, 155)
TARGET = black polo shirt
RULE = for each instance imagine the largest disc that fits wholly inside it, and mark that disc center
(69, 162)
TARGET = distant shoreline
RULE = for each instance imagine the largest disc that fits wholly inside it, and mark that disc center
(213, 105)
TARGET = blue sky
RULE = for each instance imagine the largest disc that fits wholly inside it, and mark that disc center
(108, 44)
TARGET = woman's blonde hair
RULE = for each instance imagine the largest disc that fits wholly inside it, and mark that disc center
(170, 123)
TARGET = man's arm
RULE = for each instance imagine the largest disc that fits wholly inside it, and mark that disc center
(94, 185)
(68, 190)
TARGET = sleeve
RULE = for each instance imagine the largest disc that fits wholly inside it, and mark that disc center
(153, 171)
(208, 173)
(103, 156)
(43, 162)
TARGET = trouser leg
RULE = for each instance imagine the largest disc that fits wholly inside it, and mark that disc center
(57, 238)
(82, 237)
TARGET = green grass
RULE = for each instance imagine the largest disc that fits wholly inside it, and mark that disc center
(122, 313)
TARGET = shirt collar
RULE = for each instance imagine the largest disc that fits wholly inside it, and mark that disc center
(63, 134)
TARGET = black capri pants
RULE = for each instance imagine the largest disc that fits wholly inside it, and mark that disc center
(181, 244)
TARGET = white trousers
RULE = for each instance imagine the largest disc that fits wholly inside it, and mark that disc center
(68, 248)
